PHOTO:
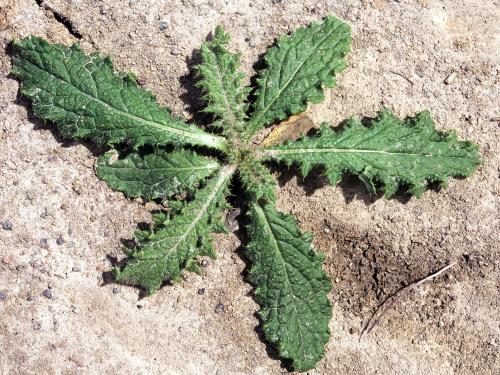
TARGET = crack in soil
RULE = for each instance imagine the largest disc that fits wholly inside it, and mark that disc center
(61, 18)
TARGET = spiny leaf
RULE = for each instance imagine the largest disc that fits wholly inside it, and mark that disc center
(297, 68)
(173, 246)
(86, 99)
(154, 174)
(390, 152)
(257, 179)
(222, 83)
(291, 286)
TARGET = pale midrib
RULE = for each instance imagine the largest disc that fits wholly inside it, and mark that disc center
(263, 217)
(224, 174)
(205, 139)
(276, 152)
(171, 169)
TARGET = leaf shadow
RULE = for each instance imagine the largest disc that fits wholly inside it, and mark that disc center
(40, 125)
(109, 277)
(351, 187)
(193, 95)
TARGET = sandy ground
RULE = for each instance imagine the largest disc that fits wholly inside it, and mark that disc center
(59, 222)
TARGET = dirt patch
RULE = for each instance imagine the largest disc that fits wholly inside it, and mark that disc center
(60, 224)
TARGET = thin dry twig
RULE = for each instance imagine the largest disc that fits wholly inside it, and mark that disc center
(389, 301)
(402, 76)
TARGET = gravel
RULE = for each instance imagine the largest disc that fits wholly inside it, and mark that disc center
(219, 308)
(7, 225)
(47, 293)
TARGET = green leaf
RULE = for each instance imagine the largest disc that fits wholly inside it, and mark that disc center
(86, 99)
(291, 286)
(257, 179)
(297, 68)
(222, 84)
(389, 152)
(161, 255)
(155, 174)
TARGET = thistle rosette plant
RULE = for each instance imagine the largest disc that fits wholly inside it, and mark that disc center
(155, 155)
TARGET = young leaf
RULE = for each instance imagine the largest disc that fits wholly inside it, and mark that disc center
(297, 68)
(161, 255)
(257, 180)
(87, 99)
(155, 174)
(291, 286)
(390, 152)
(222, 83)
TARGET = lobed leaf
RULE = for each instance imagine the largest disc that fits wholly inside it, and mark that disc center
(161, 255)
(291, 286)
(86, 99)
(297, 69)
(222, 84)
(390, 152)
(155, 174)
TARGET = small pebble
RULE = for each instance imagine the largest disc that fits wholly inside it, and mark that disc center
(7, 225)
(76, 269)
(441, 324)
(163, 25)
(3, 296)
(75, 309)
(201, 291)
(139, 307)
(37, 326)
(174, 52)
(44, 243)
(219, 308)
(205, 263)
(20, 267)
(450, 78)
(438, 93)
(116, 290)
(47, 293)
(59, 240)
